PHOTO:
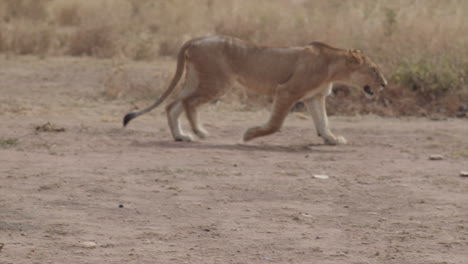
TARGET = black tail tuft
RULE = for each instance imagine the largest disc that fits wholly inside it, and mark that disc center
(128, 117)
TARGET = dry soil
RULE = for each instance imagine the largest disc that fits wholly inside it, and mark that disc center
(142, 198)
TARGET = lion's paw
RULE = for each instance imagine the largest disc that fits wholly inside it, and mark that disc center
(250, 134)
(339, 140)
(184, 138)
(201, 133)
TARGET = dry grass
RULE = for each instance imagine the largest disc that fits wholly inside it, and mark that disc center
(30, 9)
(28, 37)
(136, 81)
(422, 44)
(67, 14)
(169, 47)
(3, 41)
(116, 82)
(94, 41)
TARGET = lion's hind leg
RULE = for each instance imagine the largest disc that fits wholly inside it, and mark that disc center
(191, 105)
(175, 109)
(207, 91)
(207, 82)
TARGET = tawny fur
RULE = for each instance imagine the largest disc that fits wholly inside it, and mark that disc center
(288, 74)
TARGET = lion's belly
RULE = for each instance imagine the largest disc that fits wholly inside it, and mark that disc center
(257, 86)
(322, 90)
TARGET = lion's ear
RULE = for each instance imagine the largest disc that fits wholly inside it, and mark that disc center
(354, 58)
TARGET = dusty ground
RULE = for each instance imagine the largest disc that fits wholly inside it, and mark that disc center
(145, 199)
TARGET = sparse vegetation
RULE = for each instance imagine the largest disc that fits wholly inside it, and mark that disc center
(96, 41)
(3, 44)
(8, 142)
(68, 14)
(24, 9)
(421, 45)
(431, 79)
(30, 38)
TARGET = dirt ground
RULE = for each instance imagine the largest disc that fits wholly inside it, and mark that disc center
(85, 190)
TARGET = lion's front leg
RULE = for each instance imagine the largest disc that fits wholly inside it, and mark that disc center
(281, 106)
(316, 107)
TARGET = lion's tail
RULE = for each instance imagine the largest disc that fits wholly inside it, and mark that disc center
(180, 69)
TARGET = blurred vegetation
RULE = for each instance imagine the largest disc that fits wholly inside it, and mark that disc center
(431, 78)
(422, 45)
(8, 142)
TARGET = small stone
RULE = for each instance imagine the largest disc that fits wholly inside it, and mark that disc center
(88, 244)
(321, 176)
(436, 157)
(463, 173)
(121, 206)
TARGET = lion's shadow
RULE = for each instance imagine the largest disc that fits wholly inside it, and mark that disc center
(305, 148)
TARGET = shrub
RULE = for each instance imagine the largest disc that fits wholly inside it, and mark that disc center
(169, 46)
(30, 38)
(3, 41)
(68, 15)
(8, 142)
(25, 9)
(431, 79)
(143, 50)
(94, 41)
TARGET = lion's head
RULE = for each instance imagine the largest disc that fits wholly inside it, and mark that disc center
(365, 73)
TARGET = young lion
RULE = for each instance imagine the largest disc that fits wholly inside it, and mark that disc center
(288, 74)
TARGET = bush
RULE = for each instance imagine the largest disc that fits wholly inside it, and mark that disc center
(25, 9)
(143, 50)
(30, 38)
(431, 79)
(170, 47)
(3, 41)
(68, 15)
(94, 41)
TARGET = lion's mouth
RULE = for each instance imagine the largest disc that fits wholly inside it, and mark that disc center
(368, 90)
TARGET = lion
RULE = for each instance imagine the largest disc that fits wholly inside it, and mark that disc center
(288, 74)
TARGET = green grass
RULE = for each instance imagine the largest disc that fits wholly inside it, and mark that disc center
(8, 142)
(429, 77)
